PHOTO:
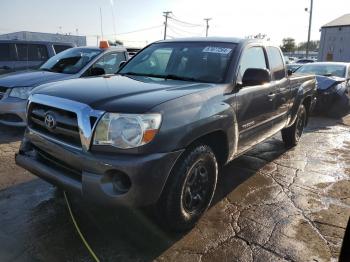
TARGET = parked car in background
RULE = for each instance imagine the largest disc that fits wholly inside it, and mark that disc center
(72, 63)
(132, 51)
(158, 132)
(287, 60)
(293, 67)
(333, 86)
(304, 61)
(292, 59)
(20, 55)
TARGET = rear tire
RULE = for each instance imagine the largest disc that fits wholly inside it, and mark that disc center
(189, 190)
(292, 134)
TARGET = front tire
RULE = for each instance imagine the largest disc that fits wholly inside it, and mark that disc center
(189, 189)
(292, 134)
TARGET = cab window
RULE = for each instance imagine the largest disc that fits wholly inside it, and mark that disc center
(156, 62)
(110, 62)
(253, 57)
(60, 48)
(277, 68)
(31, 52)
(5, 54)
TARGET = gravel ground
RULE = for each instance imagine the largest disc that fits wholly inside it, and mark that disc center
(272, 204)
(10, 174)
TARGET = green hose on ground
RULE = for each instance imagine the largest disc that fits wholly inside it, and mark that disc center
(86, 244)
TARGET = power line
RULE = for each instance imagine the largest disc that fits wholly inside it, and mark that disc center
(140, 30)
(179, 31)
(185, 23)
(134, 31)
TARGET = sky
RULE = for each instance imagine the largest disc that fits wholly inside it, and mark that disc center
(239, 18)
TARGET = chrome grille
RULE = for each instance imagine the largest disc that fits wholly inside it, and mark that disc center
(74, 121)
(66, 129)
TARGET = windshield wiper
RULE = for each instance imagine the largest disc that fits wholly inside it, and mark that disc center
(166, 77)
(328, 74)
(184, 78)
(46, 69)
(141, 74)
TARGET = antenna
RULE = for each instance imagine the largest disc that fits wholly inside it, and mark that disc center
(114, 21)
(101, 23)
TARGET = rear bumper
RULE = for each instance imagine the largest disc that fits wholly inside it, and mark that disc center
(13, 111)
(93, 174)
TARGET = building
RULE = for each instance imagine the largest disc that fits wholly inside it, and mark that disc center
(335, 40)
(36, 36)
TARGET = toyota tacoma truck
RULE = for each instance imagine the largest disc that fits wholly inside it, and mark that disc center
(157, 133)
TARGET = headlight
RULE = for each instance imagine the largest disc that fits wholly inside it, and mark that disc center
(20, 92)
(126, 130)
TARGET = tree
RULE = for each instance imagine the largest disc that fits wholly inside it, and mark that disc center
(288, 44)
(314, 45)
(115, 43)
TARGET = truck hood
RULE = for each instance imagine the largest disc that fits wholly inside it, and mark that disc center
(326, 82)
(122, 94)
(31, 78)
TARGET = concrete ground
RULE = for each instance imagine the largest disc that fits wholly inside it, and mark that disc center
(272, 204)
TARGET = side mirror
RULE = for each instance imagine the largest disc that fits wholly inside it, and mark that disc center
(97, 71)
(256, 77)
(122, 63)
(290, 72)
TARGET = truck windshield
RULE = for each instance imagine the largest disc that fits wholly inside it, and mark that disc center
(70, 61)
(187, 61)
(323, 70)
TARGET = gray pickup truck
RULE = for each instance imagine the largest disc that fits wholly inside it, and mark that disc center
(157, 133)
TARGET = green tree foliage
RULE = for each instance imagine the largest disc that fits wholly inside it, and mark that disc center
(115, 43)
(314, 45)
(288, 44)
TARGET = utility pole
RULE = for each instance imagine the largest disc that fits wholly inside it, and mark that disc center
(309, 32)
(207, 28)
(166, 15)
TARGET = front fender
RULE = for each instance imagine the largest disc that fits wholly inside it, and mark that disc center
(304, 91)
(224, 121)
(189, 118)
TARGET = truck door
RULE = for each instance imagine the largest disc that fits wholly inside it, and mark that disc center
(282, 87)
(254, 104)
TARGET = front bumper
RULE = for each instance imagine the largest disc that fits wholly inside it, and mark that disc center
(93, 173)
(333, 105)
(13, 111)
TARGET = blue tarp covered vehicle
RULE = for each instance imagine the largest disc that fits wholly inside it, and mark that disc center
(333, 87)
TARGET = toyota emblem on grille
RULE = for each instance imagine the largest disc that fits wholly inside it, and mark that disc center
(50, 121)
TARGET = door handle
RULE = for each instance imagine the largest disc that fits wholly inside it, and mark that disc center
(271, 96)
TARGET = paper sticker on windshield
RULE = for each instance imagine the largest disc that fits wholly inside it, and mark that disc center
(217, 50)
